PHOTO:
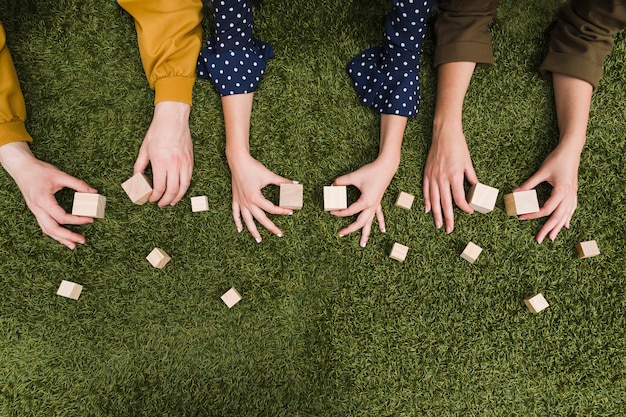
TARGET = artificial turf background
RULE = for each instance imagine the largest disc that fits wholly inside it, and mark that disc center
(325, 328)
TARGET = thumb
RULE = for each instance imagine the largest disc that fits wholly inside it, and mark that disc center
(531, 182)
(344, 180)
(142, 161)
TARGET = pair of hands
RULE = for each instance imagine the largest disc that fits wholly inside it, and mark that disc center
(249, 176)
(449, 164)
(167, 147)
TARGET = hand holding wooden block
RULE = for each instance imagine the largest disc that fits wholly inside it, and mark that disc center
(521, 202)
(291, 196)
(335, 198)
(199, 203)
(471, 252)
(89, 205)
(158, 258)
(405, 200)
(587, 249)
(138, 188)
(536, 303)
(482, 198)
(69, 289)
(399, 252)
(231, 297)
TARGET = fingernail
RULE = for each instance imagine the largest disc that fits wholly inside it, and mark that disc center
(258, 240)
(295, 182)
(363, 245)
(448, 229)
(340, 235)
(438, 225)
(280, 235)
(383, 230)
(290, 213)
(239, 229)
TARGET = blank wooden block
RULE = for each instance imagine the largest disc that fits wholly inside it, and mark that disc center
(199, 203)
(482, 197)
(231, 297)
(138, 188)
(399, 252)
(335, 198)
(158, 258)
(69, 289)
(89, 205)
(291, 196)
(587, 249)
(471, 252)
(521, 202)
(405, 200)
(536, 303)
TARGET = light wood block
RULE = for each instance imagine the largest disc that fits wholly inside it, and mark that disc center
(335, 198)
(89, 205)
(231, 297)
(521, 202)
(399, 252)
(138, 188)
(69, 289)
(536, 303)
(158, 258)
(291, 196)
(199, 203)
(587, 249)
(471, 252)
(482, 197)
(405, 200)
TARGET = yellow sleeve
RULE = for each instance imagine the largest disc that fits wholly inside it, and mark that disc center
(12, 107)
(169, 36)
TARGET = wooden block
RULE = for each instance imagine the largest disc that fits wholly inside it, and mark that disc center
(471, 252)
(158, 258)
(231, 297)
(399, 252)
(138, 188)
(587, 249)
(482, 197)
(536, 303)
(199, 203)
(521, 202)
(405, 200)
(69, 289)
(335, 198)
(89, 205)
(291, 196)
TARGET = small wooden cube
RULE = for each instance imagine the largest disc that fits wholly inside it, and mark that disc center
(405, 200)
(482, 198)
(291, 196)
(69, 289)
(138, 188)
(231, 297)
(471, 252)
(335, 198)
(399, 252)
(536, 303)
(158, 258)
(587, 249)
(199, 203)
(521, 202)
(89, 205)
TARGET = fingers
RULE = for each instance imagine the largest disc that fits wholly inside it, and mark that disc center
(381, 219)
(436, 205)
(354, 208)
(531, 182)
(62, 235)
(426, 190)
(75, 184)
(458, 192)
(249, 221)
(237, 216)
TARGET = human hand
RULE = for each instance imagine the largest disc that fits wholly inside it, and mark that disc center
(249, 176)
(169, 149)
(447, 165)
(560, 170)
(39, 181)
(372, 180)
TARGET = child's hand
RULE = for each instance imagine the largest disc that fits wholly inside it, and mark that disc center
(447, 166)
(560, 169)
(39, 181)
(249, 176)
(372, 180)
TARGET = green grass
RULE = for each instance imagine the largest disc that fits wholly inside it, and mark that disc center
(325, 328)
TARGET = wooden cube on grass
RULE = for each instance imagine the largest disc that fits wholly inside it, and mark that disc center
(89, 205)
(158, 258)
(69, 289)
(199, 203)
(399, 252)
(536, 303)
(587, 249)
(231, 297)
(291, 196)
(335, 198)
(471, 252)
(521, 202)
(138, 188)
(405, 200)
(482, 197)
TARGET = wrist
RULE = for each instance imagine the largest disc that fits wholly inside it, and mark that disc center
(175, 110)
(13, 155)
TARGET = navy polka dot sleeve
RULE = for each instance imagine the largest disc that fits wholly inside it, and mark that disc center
(386, 77)
(234, 59)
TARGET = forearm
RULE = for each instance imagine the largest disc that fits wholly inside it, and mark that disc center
(573, 101)
(237, 111)
(452, 83)
(391, 133)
